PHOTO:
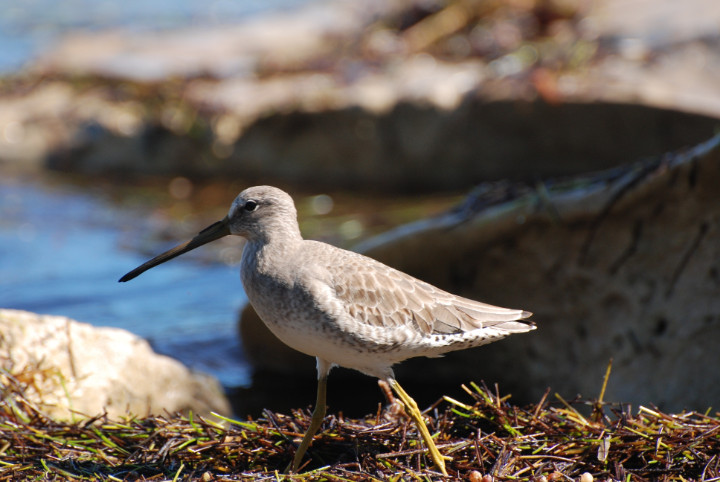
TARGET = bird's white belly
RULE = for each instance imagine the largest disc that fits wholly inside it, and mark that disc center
(318, 340)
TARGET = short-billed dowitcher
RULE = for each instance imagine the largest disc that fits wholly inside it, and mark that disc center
(344, 308)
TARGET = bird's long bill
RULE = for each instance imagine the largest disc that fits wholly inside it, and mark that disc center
(211, 233)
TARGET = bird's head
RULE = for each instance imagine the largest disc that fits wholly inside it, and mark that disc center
(258, 214)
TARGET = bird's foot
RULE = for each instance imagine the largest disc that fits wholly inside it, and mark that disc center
(394, 409)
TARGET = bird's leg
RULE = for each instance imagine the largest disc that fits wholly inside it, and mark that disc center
(317, 418)
(395, 408)
(414, 412)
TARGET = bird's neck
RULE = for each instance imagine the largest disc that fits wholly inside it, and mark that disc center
(263, 255)
(278, 231)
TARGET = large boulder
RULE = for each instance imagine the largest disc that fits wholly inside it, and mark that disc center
(73, 369)
(621, 264)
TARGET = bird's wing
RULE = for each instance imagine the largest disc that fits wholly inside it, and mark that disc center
(378, 295)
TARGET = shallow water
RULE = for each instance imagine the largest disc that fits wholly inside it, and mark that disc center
(62, 252)
(28, 27)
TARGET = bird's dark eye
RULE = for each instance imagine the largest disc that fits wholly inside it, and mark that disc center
(251, 206)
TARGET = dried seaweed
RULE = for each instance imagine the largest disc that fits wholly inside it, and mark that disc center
(487, 437)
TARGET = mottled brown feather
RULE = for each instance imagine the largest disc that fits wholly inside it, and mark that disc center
(382, 296)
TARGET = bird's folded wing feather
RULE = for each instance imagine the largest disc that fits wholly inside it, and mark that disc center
(376, 294)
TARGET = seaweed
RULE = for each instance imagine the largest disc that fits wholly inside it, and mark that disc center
(487, 437)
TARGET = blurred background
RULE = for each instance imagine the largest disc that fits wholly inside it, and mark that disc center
(125, 128)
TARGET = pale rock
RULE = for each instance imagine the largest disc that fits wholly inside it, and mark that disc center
(73, 369)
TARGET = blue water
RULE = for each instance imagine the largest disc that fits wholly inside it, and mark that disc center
(62, 252)
(27, 27)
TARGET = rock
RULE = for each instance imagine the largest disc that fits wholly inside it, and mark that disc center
(394, 150)
(620, 265)
(420, 148)
(74, 369)
(396, 102)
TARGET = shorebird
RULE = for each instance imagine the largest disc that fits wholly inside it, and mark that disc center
(341, 307)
